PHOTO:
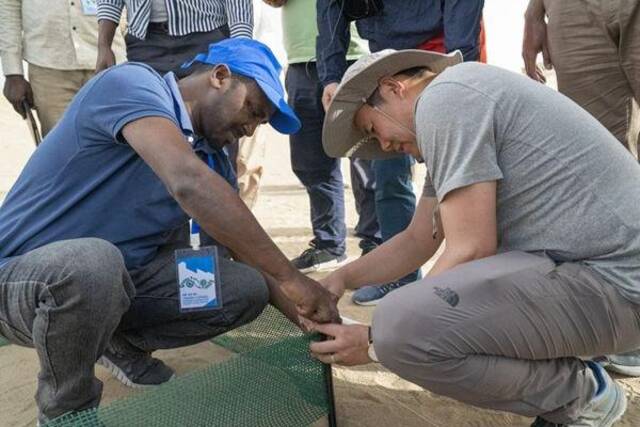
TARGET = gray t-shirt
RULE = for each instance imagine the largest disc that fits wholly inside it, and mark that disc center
(565, 185)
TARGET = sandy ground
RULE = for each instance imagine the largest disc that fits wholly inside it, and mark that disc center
(366, 396)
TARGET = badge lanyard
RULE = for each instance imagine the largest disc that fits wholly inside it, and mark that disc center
(194, 227)
(198, 272)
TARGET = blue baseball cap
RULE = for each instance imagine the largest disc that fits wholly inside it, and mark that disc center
(253, 59)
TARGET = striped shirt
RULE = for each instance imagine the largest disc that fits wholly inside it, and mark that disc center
(185, 16)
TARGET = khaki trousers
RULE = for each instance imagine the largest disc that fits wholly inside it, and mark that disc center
(595, 50)
(53, 90)
(506, 332)
(249, 165)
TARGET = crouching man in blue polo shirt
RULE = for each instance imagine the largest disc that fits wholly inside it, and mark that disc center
(89, 230)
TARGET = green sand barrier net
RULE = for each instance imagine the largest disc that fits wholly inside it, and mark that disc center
(270, 380)
(3, 341)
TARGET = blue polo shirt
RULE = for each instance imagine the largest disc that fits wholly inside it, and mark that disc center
(84, 180)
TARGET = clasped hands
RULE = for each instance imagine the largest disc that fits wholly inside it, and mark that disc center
(345, 344)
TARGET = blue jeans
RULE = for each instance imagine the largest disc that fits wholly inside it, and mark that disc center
(319, 173)
(395, 199)
(363, 183)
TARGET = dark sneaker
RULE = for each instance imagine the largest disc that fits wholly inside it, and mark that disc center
(370, 295)
(138, 371)
(604, 409)
(314, 259)
(626, 364)
(367, 245)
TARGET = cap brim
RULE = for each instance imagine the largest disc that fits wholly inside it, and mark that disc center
(340, 138)
(284, 120)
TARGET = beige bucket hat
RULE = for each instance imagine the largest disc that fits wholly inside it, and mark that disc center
(339, 136)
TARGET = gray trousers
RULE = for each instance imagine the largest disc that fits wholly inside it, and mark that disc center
(506, 333)
(71, 299)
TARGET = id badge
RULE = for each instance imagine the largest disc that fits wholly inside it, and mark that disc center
(198, 279)
(89, 7)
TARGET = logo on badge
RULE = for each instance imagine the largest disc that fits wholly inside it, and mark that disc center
(191, 282)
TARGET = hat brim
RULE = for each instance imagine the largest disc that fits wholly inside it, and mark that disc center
(340, 138)
(284, 120)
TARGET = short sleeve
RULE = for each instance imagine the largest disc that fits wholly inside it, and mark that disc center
(122, 95)
(427, 188)
(456, 135)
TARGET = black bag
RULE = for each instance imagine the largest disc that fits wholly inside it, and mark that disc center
(360, 9)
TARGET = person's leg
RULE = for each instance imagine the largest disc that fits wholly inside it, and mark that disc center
(395, 199)
(65, 300)
(583, 44)
(628, 19)
(53, 90)
(363, 186)
(154, 320)
(248, 163)
(319, 173)
(395, 206)
(505, 333)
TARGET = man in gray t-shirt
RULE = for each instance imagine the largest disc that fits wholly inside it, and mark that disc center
(565, 185)
(538, 205)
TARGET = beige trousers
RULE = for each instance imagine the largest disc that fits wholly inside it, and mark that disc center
(249, 164)
(595, 50)
(53, 90)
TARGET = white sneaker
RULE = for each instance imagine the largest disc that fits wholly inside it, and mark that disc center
(604, 409)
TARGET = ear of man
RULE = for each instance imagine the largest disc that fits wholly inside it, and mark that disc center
(390, 88)
(219, 76)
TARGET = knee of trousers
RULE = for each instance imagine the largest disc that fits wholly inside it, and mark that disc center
(404, 341)
(96, 277)
(250, 296)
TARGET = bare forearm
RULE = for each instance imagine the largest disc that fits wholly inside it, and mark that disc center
(452, 257)
(535, 10)
(401, 255)
(216, 207)
(279, 300)
(106, 33)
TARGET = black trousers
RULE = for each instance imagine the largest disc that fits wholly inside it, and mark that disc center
(166, 53)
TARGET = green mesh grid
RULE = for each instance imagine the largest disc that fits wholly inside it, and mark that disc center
(269, 381)
(3, 341)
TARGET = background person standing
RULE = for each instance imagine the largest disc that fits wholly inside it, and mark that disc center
(594, 47)
(408, 24)
(164, 34)
(59, 42)
(319, 173)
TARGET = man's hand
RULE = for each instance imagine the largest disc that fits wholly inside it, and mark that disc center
(328, 94)
(334, 283)
(346, 345)
(275, 3)
(17, 90)
(312, 301)
(534, 42)
(106, 58)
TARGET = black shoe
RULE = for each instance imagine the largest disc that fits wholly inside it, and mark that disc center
(314, 259)
(367, 245)
(137, 371)
(540, 422)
